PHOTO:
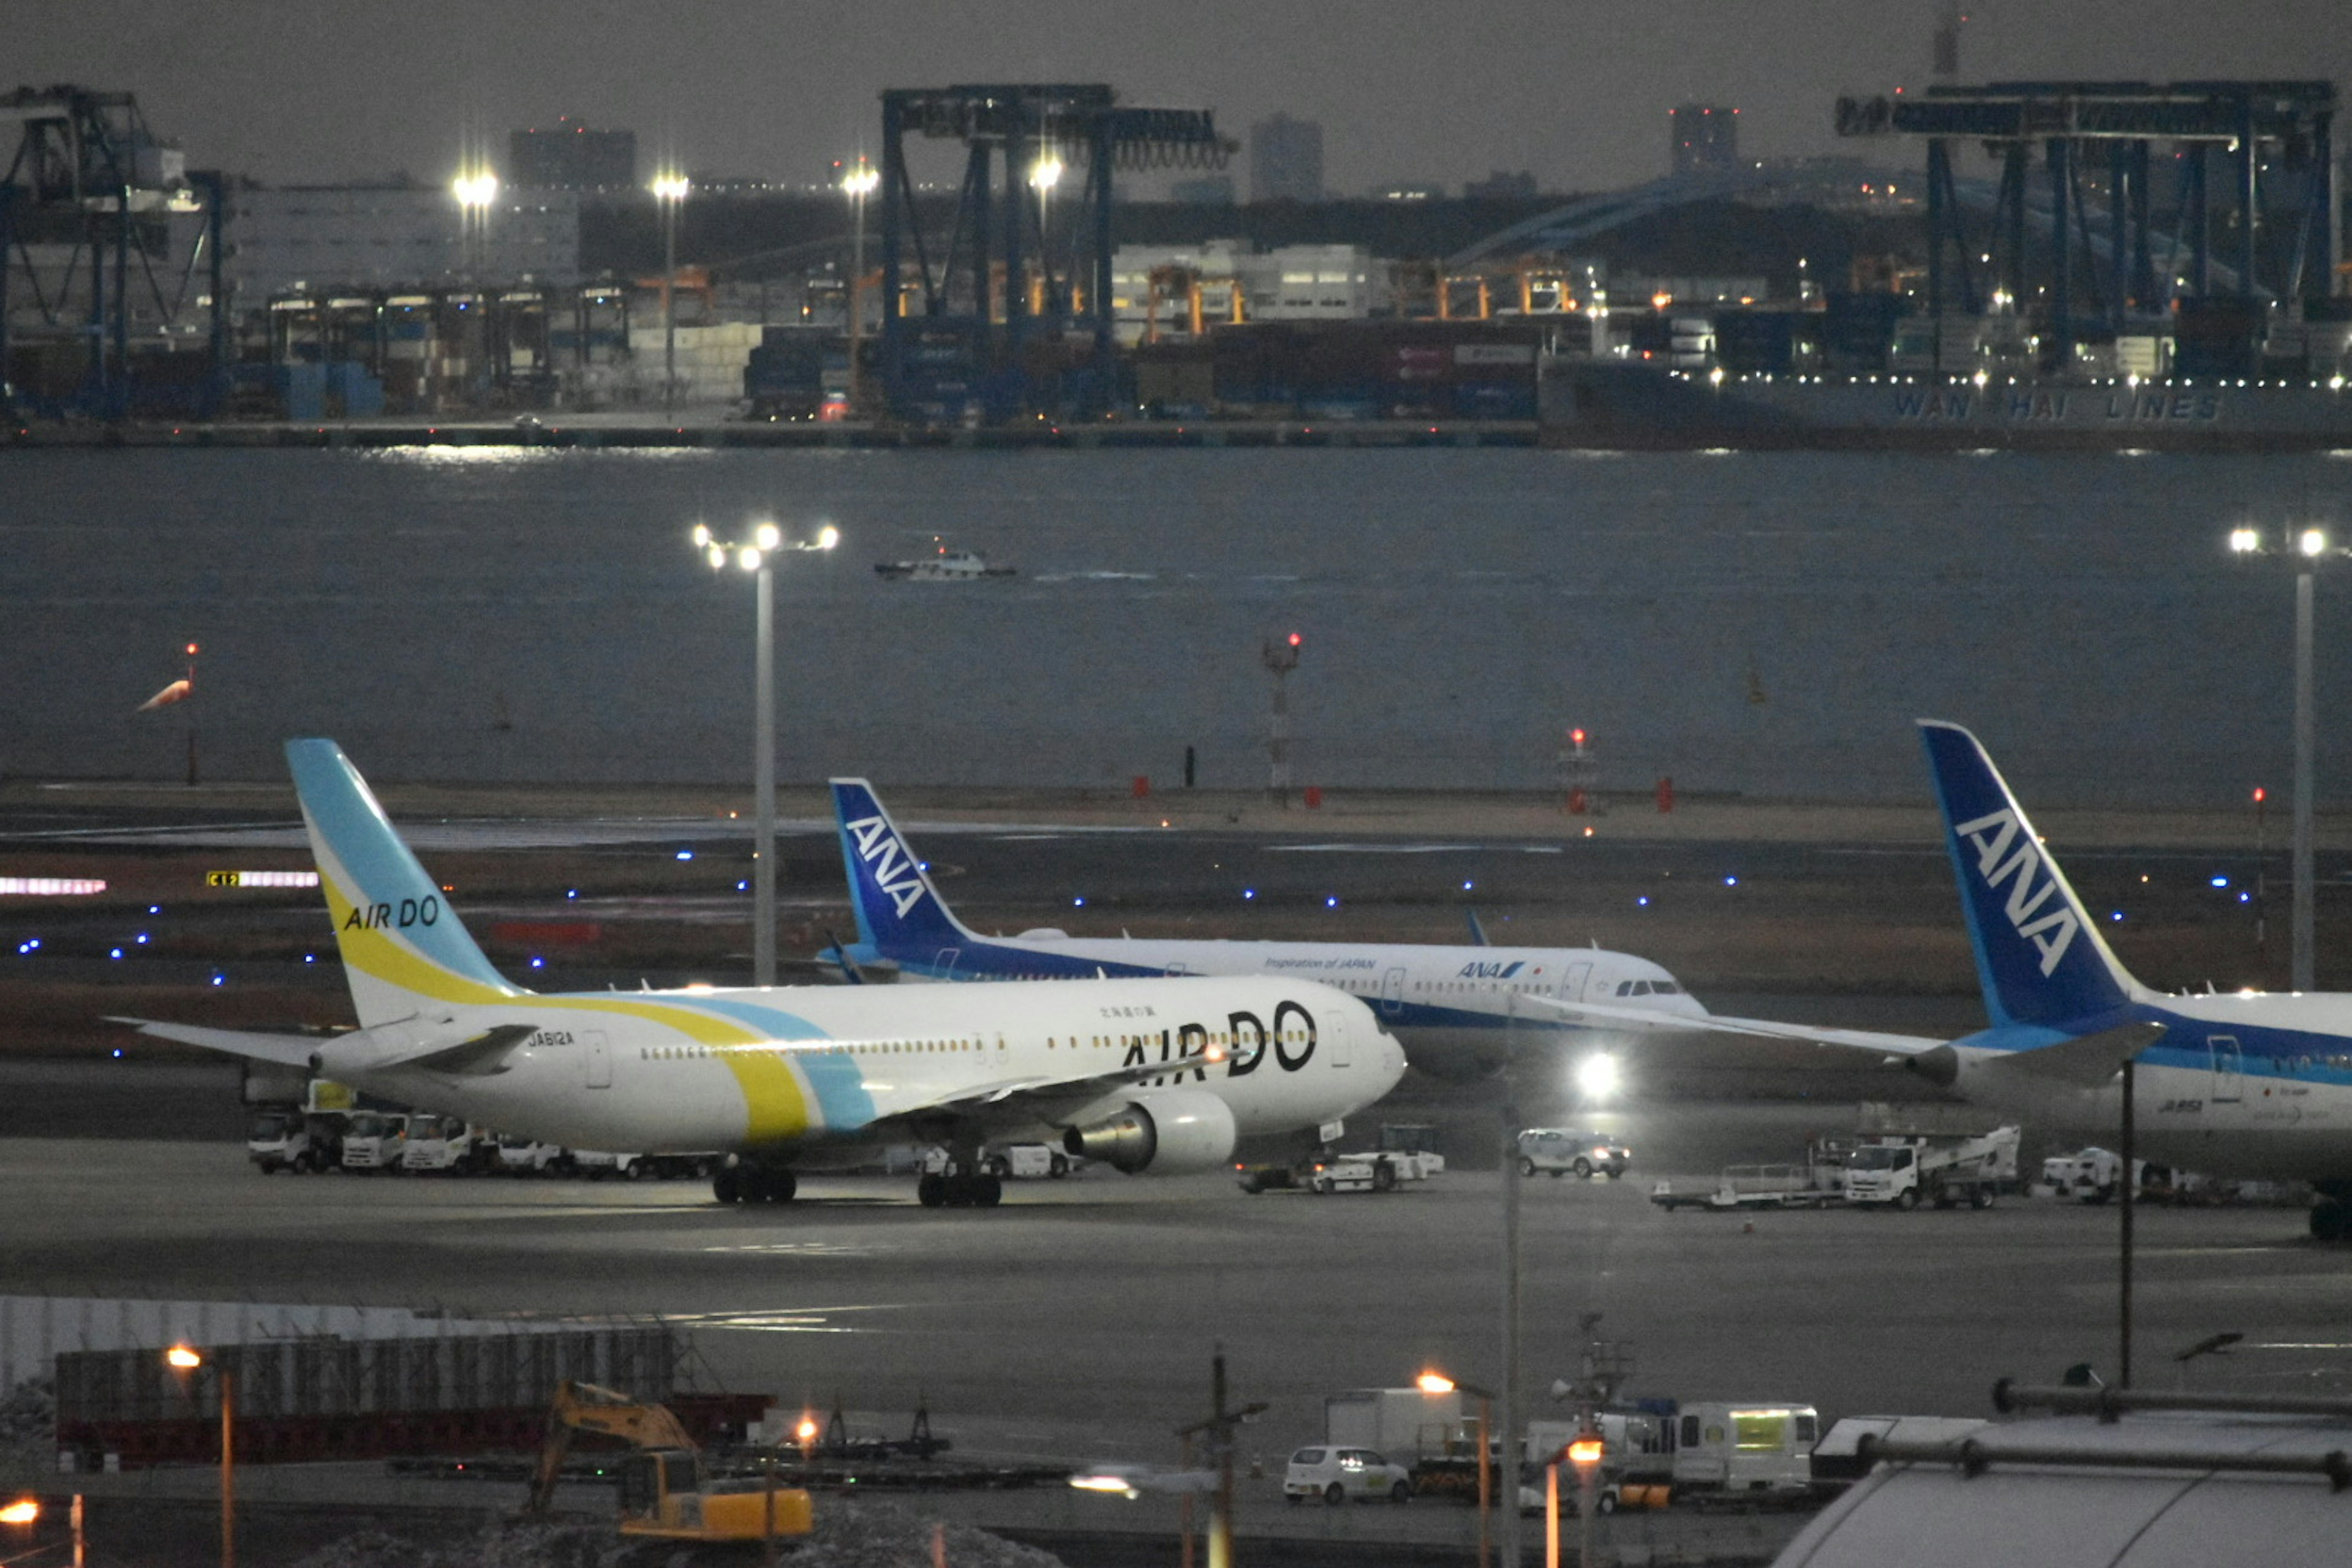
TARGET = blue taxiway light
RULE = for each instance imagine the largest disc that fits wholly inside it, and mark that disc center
(1249, 892)
(154, 910)
(742, 887)
(1077, 903)
(220, 979)
(571, 892)
(539, 964)
(1331, 902)
(1644, 902)
(1731, 881)
(2220, 881)
(2117, 915)
(686, 854)
(1467, 885)
(114, 952)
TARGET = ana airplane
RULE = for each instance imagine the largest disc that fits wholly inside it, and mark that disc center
(1150, 1075)
(1451, 1007)
(2238, 1084)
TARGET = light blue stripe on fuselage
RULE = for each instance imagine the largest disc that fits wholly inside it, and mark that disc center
(836, 1080)
(2295, 1054)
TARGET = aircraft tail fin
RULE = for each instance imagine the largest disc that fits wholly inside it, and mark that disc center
(404, 949)
(899, 911)
(2039, 956)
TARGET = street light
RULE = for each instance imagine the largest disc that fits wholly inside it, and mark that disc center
(1438, 1383)
(2306, 549)
(670, 191)
(187, 1359)
(859, 182)
(755, 556)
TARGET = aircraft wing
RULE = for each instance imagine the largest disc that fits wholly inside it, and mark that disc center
(1606, 1015)
(291, 1050)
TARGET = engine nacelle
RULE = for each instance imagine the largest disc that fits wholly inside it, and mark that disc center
(1172, 1134)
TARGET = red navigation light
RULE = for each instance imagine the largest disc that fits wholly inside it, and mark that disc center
(192, 650)
(1296, 639)
(1576, 737)
(2261, 794)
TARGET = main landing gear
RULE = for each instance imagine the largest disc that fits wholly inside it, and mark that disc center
(749, 1183)
(959, 1190)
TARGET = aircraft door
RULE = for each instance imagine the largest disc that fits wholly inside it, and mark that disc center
(1571, 982)
(598, 1062)
(2228, 1068)
(1333, 1032)
(946, 961)
(1392, 992)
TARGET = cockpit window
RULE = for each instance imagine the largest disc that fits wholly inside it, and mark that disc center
(1665, 988)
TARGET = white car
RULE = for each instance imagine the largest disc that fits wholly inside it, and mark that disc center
(1335, 1475)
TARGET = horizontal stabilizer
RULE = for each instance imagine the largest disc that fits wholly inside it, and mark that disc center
(480, 1056)
(2087, 1061)
(293, 1050)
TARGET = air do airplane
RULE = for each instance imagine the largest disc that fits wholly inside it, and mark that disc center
(2245, 1083)
(1153, 1076)
(1451, 1007)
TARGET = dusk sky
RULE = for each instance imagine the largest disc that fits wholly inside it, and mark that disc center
(1576, 91)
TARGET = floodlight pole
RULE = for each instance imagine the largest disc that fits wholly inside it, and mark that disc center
(763, 776)
(1506, 1393)
(2304, 746)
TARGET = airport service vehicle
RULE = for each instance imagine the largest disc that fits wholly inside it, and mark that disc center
(1771, 1186)
(1452, 1006)
(666, 1493)
(1344, 1475)
(522, 1156)
(1559, 1152)
(1751, 1452)
(1902, 1171)
(1028, 1162)
(288, 1138)
(2235, 1084)
(374, 1140)
(1151, 1077)
(444, 1145)
(597, 1164)
(1395, 1421)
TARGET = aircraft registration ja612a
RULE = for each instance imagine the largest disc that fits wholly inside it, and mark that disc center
(1152, 1077)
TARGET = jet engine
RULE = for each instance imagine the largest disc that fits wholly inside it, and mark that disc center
(1172, 1134)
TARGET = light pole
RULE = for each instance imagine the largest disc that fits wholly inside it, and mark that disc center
(670, 191)
(188, 1359)
(860, 182)
(1042, 177)
(2306, 550)
(755, 556)
(1438, 1383)
(475, 193)
(1280, 656)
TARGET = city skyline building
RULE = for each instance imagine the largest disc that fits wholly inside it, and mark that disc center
(1286, 160)
(568, 156)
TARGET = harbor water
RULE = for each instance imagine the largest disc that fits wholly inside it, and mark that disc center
(1765, 622)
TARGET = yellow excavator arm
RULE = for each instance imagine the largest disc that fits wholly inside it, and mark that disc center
(584, 1408)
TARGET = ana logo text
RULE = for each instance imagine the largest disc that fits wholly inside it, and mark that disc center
(1492, 970)
(1993, 837)
(421, 912)
(894, 871)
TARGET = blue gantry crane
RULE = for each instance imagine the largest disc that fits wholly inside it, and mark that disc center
(1008, 309)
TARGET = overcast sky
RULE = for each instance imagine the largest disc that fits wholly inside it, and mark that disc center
(1575, 91)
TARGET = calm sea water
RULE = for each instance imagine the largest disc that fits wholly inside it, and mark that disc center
(1766, 623)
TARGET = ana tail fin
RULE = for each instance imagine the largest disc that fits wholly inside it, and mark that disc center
(899, 911)
(2039, 956)
(404, 948)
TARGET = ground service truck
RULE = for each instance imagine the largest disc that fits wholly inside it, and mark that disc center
(1903, 1170)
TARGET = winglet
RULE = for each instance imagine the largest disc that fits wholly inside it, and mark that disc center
(1477, 932)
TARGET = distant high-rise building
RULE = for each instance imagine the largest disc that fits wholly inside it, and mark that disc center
(1285, 160)
(1706, 136)
(568, 156)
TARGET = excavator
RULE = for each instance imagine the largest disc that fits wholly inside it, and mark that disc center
(665, 1494)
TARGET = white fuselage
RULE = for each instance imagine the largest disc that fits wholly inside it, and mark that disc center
(793, 1071)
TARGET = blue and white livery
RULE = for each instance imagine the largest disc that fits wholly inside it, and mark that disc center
(1451, 1007)
(2246, 1083)
(1153, 1075)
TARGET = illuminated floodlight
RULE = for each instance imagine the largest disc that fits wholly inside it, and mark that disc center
(750, 557)
(1106, 1481)
(702, 536)
(1434, 1383)
(671, 187)
(1584, 1451)
(827, 537)
(2245, 540)
(1047, 173)
(24, 1510)
(2312, 542)
(861, 179)
(767, 536)
(475, 190)
(1597, 1076)
(184, 1358)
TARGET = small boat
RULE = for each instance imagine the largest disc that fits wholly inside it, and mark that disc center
(946, 567)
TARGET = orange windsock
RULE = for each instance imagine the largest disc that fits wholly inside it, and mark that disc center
(178, 691)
